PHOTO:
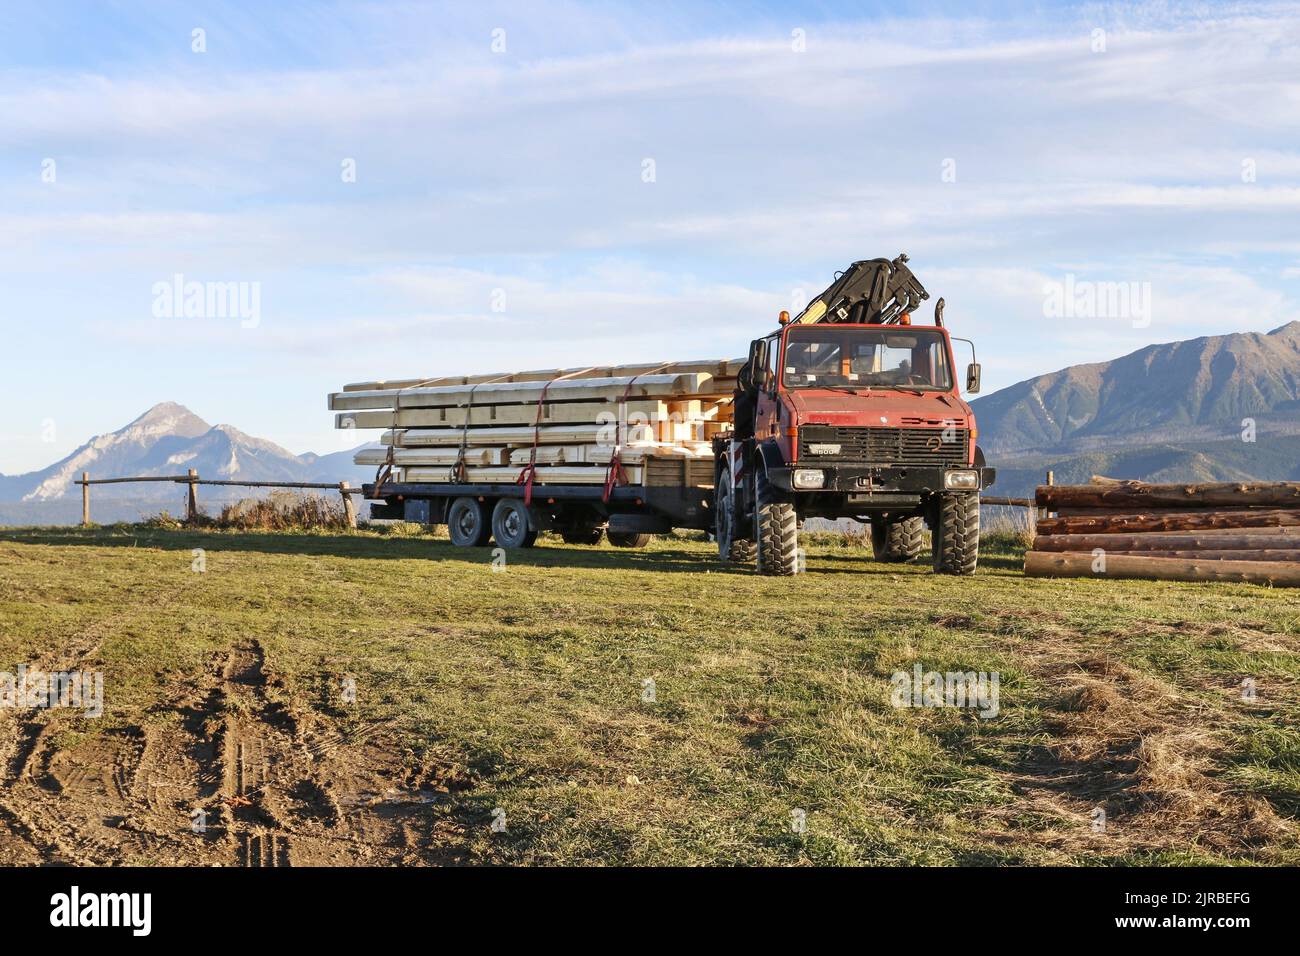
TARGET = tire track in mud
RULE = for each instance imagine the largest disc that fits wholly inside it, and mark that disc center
(222, 771)
(44, 833)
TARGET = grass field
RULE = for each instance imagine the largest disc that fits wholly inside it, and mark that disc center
(384, 698)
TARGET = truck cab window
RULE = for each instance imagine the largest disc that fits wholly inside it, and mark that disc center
(821, 356)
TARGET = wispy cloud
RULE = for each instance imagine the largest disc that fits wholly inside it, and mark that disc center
(637, 182)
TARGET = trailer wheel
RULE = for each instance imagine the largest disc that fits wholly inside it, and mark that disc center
(584, 535)
(957, 535)
(468, 524)
(776, 529)
(731, 547)
(897, 541)
(628, 539)
(513, 524)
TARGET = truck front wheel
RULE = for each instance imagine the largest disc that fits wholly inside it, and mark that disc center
(897, 541)
(776, 529)
(957, 535)
(467, 523)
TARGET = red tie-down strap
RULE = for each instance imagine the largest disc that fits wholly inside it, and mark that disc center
(385, 471)
(529, 472)
(614, 475)
(459, 473)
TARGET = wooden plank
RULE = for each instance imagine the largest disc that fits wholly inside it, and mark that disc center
(503, 393)
(487, 415)
(433, 456)
(718, 368)
(1287, 530)
(1188, 507)
(1162, 542)
(1171, 521)
(546, 474)
(634, 453)
(519, 456)
(1140, 495)
(1070, 564)
(517, 435)
(646, 386)
(1263, 555)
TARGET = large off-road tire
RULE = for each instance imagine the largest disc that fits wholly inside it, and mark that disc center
(897, 541)
(628, 539)
(513, 524)
(776, 529)
(584, 534)
(731, 547)
(957, 534)
(468, 523)
(743, 551)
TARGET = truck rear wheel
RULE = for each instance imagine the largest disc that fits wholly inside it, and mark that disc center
(731, 548)
(628, 539)
(468, 524)
(776, 529)
(897, 541)
(513, 525)
(957, 535)
(585, 534)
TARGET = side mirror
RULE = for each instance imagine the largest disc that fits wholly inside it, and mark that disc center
(973, 377)
(763, 378)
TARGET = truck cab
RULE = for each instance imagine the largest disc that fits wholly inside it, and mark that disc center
(861, 421)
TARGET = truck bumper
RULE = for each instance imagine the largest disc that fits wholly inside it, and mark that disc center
(865, 483)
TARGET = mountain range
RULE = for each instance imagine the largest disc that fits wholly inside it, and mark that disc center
(168, 439)
(1217, 408)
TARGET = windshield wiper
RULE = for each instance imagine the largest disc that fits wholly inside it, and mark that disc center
(902, 388)
(851, 389)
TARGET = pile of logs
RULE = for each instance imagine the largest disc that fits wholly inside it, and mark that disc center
(561, 425)
(1246, 531)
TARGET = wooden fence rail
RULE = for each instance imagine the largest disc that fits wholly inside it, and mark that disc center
(192, 481)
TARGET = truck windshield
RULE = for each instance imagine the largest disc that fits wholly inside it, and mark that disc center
(818, 356)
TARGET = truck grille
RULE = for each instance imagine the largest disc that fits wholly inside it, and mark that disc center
(884, 446)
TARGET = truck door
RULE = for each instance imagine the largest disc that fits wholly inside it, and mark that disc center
(768, 419)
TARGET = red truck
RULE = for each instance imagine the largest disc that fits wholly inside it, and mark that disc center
(851, 410)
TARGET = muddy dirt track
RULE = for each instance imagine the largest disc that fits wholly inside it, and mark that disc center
(218, 775)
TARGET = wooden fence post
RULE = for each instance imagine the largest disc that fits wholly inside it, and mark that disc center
(85, 498)
(349, 511)
(192, 497)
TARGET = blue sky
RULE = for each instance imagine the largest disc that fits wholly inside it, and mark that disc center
(998, 145)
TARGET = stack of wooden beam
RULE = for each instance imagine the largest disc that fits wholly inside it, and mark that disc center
(566, 423)
(1241, 531)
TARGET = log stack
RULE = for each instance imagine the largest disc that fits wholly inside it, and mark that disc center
(1232, 531)
(560, 425)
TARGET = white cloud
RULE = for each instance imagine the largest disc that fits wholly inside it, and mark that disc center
(523, 172)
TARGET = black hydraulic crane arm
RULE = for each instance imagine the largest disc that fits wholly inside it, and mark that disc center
(869, 292)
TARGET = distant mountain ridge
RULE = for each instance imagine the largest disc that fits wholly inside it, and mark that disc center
(168, 439)
(1180, 411)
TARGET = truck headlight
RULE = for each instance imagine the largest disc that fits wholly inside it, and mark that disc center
(962, 480)
(808, 478)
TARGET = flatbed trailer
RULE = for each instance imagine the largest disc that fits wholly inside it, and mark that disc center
(628, 514)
